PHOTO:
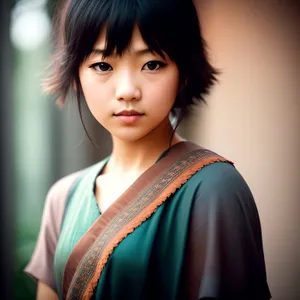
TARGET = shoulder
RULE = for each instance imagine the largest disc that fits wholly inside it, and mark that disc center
(58, 195)
(60, 189)
(223, 203)
(55, 204)
(221, 189)
(62, 186)
(220, 177)
(59, 192)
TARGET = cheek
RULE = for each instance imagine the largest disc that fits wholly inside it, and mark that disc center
(164, 93)
(95, 95)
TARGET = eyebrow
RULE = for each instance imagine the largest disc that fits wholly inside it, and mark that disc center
(136, 52)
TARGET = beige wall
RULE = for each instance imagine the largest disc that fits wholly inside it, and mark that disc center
(253, 118)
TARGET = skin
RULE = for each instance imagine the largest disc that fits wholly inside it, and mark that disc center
(138, 80)
(124, 83)
(44, 292)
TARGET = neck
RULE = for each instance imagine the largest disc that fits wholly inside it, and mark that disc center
(137, 156)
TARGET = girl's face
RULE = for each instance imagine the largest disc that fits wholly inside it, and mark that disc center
(130, 95)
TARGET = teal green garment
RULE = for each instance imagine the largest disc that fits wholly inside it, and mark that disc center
(148, 263)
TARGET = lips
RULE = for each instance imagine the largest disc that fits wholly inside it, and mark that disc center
(128, 117)
(128, 113)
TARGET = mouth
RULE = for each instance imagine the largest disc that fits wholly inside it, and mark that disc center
(128, 116)
(128, 113)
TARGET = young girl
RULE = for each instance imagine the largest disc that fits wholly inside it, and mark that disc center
(160, 218)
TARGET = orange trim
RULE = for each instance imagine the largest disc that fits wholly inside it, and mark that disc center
(143, 216)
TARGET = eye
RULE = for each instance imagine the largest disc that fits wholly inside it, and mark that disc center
(153, 65)
(101, 67)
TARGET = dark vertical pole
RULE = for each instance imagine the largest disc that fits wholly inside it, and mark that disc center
(6, 158)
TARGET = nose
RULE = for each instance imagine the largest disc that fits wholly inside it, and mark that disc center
(127, 88)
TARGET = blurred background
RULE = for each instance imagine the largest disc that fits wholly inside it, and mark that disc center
(252, 118)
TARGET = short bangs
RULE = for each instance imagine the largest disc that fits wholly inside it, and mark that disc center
(169, 26)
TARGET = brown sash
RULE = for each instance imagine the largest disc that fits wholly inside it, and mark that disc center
(131, 209)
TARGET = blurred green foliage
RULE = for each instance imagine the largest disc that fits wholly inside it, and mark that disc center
(32, 115)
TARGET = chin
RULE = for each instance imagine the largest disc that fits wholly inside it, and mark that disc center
(131, 136)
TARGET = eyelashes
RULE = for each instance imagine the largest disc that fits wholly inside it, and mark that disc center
(152, 66)
(101, 67)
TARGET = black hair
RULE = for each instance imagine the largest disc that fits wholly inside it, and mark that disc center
(170, 26)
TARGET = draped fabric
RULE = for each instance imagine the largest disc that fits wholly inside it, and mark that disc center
(188, 228)
(136, 248)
